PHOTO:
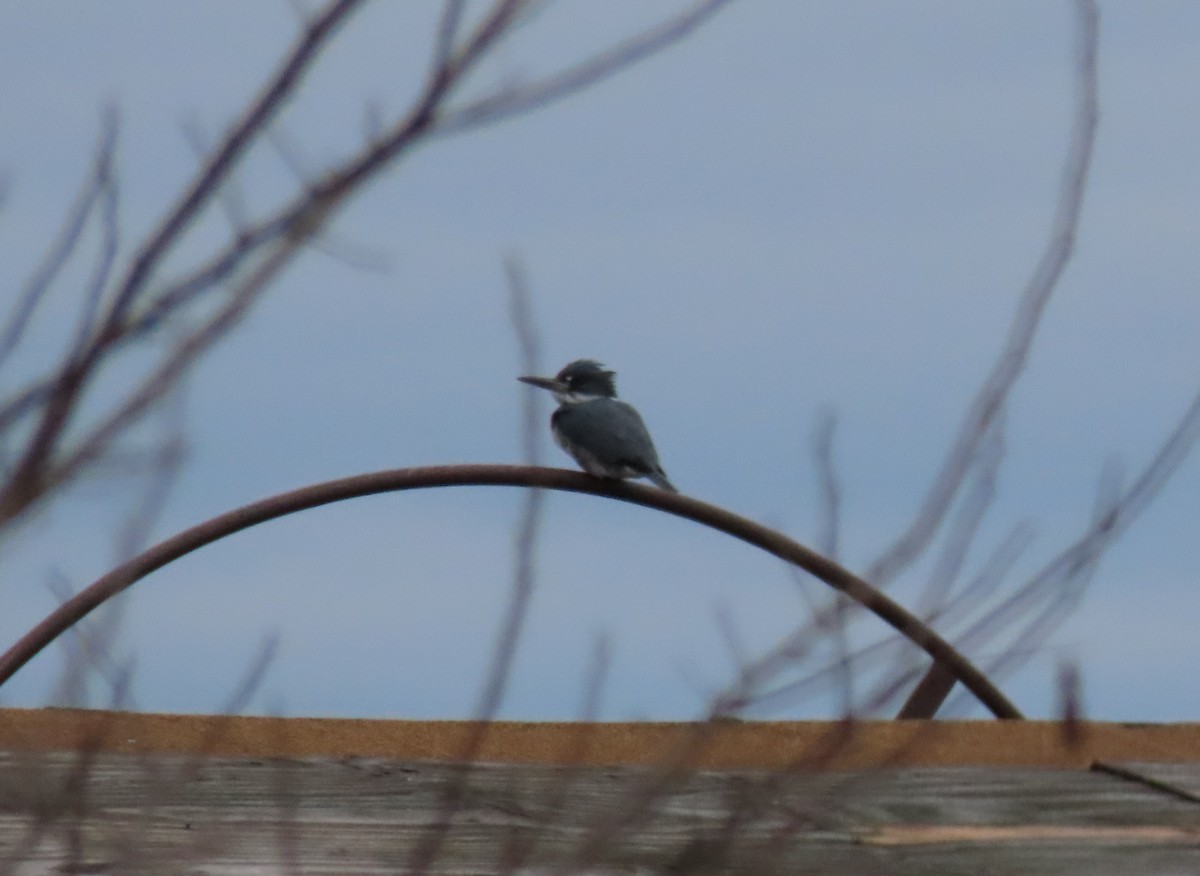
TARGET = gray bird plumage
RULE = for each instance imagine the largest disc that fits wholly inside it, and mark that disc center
(606, 436)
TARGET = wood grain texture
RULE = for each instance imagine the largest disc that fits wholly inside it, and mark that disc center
(111, 792)
(164, 814)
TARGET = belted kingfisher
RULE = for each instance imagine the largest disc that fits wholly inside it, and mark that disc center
(606, 436)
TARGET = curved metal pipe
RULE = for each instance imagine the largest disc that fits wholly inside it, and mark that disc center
(393, 480)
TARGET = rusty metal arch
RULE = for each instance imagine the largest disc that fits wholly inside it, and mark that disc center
(394, 480)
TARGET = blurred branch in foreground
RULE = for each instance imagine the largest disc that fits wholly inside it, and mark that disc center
(500, 667)
(990, 400)
(50, 441)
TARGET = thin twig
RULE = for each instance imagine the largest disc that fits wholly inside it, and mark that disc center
(102, 273)
(829, 489)
(268, 245)
(992, 397)
(993, 394)
(138, 401)
(523, 582)
(534, 95)
(297, 63)
(447, 33)
(68, 239)
(29, 477)
(966, 522)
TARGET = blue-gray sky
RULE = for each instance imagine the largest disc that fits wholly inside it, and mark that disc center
(802, 204)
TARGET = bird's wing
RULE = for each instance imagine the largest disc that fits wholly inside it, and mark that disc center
(612, 431)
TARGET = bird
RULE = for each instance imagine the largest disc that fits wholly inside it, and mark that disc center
(605, 435)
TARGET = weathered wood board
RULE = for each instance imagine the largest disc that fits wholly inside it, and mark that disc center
(162, 814)
(136, 798)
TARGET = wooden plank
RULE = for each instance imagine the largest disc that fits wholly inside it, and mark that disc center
(731, 745)
(63, 812)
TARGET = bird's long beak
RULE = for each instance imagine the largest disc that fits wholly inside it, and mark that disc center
(544, 383)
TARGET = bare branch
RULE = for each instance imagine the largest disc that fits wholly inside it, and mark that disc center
(597, 673)
(447, 32)
(93, 190)
(533, 95)
(520, 310)
(829, 673)
(259, 252)
(991, 575)
(252, 680)
(723, 617)
(526, 540)
(229, 194)
(90, 649)
(1060, 583)
(993, 394)
(162, 473)
(829, 490)
(1067, 574)
(425, 118)
(523, 582)
(966, 523)
(32, 475)
(99, 439)
(254, 121)
(102, 273)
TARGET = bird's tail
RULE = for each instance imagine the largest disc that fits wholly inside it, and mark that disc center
(659, 478)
